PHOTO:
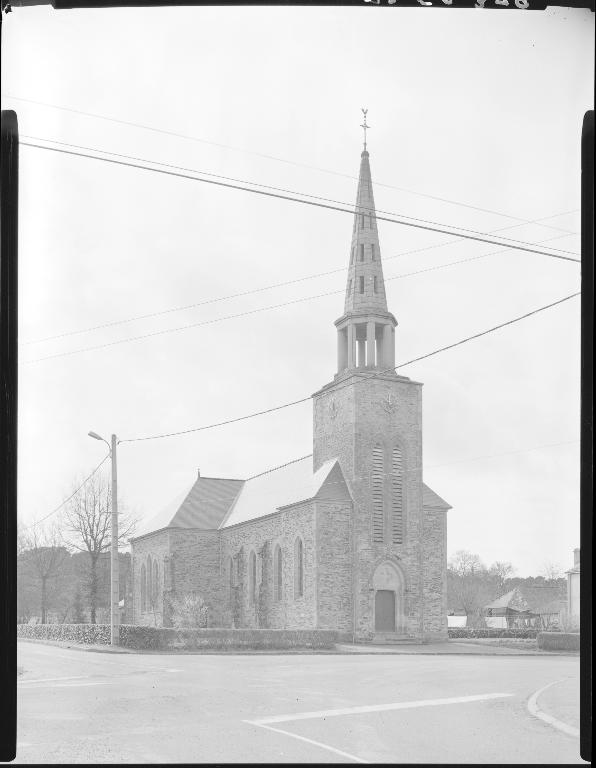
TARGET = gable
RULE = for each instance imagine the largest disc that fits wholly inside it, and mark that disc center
(334, 487)
(432, 499)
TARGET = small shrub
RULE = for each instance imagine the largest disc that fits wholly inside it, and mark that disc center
(467, 632)
(559, 641)
(188, 611)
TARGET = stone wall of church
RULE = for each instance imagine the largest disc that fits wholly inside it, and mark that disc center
(194, 567)
(262, 536)
(334, 566)
(384, 411)
(156, 546)
(435, 574)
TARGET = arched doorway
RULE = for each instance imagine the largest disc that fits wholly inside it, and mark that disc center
(388, 585)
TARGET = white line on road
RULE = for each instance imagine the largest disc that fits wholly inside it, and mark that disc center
(376, 708)
(534, 709)
(53, 679)
(312, 741)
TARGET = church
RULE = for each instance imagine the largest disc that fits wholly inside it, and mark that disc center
(348, 538)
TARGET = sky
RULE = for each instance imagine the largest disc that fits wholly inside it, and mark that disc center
(475, 123)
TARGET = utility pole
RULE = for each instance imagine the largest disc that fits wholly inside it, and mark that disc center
(114, 564)
(114, 570)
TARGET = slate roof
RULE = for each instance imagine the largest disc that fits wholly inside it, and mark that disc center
(291, 483)
(214, 502)
(204, 506)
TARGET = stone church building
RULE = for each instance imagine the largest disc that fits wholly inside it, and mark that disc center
(347, 538)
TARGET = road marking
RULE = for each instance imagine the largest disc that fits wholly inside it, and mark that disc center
(534, 709)
(311, 741)
(376, 708)
(53, 679)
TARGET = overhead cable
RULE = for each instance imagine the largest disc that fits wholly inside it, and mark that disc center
(266, 156)
(517, 245)
(74, 493)
(284, 283)
(358, 381)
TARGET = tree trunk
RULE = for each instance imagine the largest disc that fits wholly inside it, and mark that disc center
(43, 600)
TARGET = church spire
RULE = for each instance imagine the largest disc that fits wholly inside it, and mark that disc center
(366, 329)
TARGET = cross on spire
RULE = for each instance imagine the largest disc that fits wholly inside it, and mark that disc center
(364, 125)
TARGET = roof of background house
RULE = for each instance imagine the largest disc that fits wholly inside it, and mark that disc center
(214, 502)
(534, 599)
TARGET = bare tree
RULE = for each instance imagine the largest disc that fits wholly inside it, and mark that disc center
(87, 523)
(469, 585)
(44, 558)
(551, 571)
(465, 563)
(501, 571)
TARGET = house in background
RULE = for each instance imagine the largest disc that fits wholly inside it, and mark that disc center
(527, 607)
(573, 588)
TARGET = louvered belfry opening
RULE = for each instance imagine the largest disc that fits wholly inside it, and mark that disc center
(397, 496)
(378, 516)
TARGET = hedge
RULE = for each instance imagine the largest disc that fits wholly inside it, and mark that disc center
(559, 641)
(467, 632)
(167, 638)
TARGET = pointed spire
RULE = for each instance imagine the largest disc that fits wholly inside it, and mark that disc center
(365, 287)
(366, 330)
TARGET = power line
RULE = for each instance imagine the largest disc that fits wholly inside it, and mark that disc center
(359, 208)
(268, 157)
(53, 512)
(350, 383)
(517, 245)
(246, 313)
(204, 302)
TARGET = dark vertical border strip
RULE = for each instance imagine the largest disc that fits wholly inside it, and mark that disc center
(587, 433)
(9, 166)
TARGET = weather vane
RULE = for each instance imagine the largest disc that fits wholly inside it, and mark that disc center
(364, 125)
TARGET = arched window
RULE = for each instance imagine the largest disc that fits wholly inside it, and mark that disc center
(298, 568)
(396, 496)
(378, 516)
(155, 580)
(149, 583)
(252, 577)
(277, 573)
(143, 589)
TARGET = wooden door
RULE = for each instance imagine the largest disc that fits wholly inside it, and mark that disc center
(384, 610)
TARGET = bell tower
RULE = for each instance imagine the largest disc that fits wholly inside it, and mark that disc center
(370, 419)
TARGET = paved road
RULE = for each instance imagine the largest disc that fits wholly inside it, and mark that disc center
(85, 707)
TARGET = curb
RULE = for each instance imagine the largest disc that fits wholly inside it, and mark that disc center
(535, 710)
(287, 651)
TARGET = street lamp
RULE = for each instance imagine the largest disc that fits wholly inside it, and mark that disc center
(115, 598)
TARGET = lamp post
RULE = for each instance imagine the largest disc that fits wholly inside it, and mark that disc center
(114, 571)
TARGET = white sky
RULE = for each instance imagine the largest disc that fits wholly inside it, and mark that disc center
(483, 108)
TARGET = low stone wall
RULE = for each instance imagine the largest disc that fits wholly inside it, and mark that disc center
(170, 639)
(559, 641)
(467, 632)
